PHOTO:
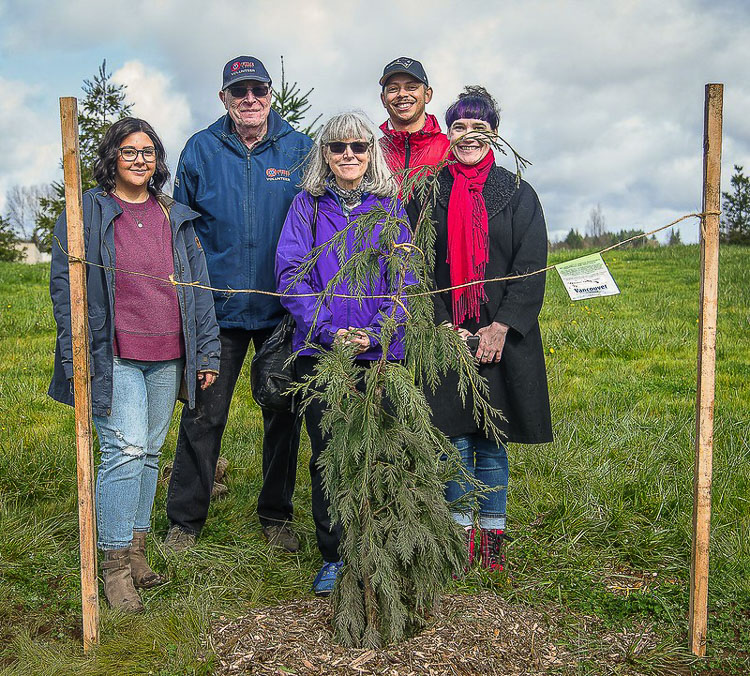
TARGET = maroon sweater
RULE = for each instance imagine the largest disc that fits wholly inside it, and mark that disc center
(148, 324)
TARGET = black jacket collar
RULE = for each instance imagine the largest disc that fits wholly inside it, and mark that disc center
(500, 186)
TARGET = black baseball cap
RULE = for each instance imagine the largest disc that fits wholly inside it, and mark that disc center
(403, 64)
(244, 68)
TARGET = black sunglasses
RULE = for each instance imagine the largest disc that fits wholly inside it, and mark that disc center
(358, 147)
(259, 91)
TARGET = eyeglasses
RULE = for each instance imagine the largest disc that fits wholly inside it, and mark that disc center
(259, 91)
(130, 154)
(339, 147)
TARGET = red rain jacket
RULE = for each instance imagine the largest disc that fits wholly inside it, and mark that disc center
(424, 147)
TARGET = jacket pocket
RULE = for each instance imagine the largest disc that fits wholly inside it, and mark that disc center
(97, 319)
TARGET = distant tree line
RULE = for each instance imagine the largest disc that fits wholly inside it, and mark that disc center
(596, 236)
(735, 223)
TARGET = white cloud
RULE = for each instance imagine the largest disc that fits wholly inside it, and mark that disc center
(31, 149)
(154, 99)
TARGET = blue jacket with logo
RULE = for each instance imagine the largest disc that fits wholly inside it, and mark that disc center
(242, 197)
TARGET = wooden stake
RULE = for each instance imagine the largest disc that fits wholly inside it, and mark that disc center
(704, 415)
(81, 371)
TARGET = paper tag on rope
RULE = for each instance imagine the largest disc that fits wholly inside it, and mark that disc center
(587, 277)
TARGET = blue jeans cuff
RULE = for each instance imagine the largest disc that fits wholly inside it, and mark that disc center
(491, 522)
(463, 519)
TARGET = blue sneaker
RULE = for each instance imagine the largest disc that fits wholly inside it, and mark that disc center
(326, 578)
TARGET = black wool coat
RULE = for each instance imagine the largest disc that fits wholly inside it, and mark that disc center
(518, 244)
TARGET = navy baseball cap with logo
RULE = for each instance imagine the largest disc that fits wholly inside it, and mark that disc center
(403, 64)
(244, 68)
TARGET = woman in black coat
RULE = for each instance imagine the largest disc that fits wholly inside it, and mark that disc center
(489, 225)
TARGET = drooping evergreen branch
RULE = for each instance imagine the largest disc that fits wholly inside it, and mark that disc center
(385, 464)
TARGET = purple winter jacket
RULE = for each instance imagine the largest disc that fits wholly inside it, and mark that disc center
(295, 244)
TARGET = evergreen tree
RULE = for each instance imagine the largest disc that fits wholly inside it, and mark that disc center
(637, 243)
(573, 240)
(735, 221)
(675, 238)
(289, 102)
(8, 241)
(385, 466)
(103, 104)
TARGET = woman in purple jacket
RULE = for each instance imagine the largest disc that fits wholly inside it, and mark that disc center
(346, 177)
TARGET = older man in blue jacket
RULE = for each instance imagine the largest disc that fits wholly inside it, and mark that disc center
(240, 174)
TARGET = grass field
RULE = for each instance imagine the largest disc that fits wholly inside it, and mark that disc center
(602, 517)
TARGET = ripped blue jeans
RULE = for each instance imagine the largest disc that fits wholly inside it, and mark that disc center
(488, 462)
(130, 439)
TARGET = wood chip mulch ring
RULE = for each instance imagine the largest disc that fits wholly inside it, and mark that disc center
(470, 635)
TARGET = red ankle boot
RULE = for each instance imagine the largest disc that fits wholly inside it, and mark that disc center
(492, 549)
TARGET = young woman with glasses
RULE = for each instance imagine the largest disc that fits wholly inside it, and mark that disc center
(147, 336)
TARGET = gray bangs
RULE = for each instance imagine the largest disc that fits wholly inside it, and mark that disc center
(355, 125)
(345, 125)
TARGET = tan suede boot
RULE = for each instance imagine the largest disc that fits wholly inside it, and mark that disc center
(143, 576)
(118, 583)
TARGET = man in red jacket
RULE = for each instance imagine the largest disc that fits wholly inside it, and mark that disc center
(411, 138)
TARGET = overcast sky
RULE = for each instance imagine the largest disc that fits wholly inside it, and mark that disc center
(604, 98)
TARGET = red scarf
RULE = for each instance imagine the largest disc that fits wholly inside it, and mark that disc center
(468, 241)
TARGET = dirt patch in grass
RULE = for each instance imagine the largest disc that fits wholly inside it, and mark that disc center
(470, 635)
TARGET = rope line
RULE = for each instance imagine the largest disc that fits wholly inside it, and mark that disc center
(276, 294)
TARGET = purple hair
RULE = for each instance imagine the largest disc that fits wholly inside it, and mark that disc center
(474, 103)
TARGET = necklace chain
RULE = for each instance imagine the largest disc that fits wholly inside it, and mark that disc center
(136, 220)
